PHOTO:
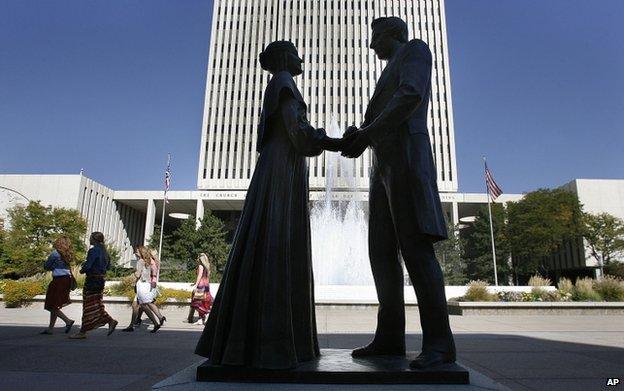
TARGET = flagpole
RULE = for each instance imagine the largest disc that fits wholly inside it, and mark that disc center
(487, 190)
(162, 225)
(162, 221)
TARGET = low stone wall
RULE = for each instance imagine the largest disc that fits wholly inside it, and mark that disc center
(359, 294)
(353, 294)
(106, 300)
(455, 307)
(535, 308)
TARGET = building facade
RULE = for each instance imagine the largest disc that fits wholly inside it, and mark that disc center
(597, 196)
(122, 224)
(340, 73)
(339, 76)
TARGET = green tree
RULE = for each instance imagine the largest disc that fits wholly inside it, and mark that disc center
(477, 249)
(448, 253)
(615, 269)
(182, 246)
(33, 230)
(113, 252)
(3, 254)
(539, 223)
(604, 236)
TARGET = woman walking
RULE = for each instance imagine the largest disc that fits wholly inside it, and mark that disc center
(57, 296)
(155, 275)
(136, 308)
(202, 299)
(93, 313)
(145, 273)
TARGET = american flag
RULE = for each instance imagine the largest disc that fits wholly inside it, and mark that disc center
(493, 189)
(167, 177)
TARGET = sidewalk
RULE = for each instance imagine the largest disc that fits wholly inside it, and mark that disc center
(521, 352)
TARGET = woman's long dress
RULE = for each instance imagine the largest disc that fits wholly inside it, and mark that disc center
(202, 299)
(263, 315)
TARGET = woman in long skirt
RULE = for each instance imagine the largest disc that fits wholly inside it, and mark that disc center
(202, 299)
(263, 314)
(57, 295)
(94, 314)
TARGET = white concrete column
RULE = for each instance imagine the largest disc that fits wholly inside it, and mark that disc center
(150, 218)
(199, 212)
(455, 213)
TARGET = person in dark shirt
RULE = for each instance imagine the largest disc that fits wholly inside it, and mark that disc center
(94, 314)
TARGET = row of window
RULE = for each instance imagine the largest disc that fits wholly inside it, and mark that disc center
(243, 92)
(328, 20)
(328, 5)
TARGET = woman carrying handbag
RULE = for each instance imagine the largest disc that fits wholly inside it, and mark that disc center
(201, 300)
(146, 276)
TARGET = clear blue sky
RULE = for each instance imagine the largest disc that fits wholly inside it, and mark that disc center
(112, 86)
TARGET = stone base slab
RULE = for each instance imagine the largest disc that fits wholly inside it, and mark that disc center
(336, 366)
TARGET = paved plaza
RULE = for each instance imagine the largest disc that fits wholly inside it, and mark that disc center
(555, 352)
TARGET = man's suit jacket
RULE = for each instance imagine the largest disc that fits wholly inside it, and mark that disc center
(396, 120)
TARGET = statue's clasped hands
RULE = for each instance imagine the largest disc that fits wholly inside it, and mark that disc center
(355, 142)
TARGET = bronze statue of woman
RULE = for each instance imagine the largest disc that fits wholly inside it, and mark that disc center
(263, 315)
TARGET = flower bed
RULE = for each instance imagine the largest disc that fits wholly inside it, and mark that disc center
(585, 290)
(20, 293)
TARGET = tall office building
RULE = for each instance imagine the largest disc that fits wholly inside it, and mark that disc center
(340, 73)
(339, 77)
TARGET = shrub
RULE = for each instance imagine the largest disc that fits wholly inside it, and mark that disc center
(2, 282)
(541, 295)
(19, 293)
(179, 275)
(537, 282)
(610, 289)
(552, 296)
(80, 278)
(584, 290)
(510, 296)
(615, 269)
(118, 272)
(564, 296)
(125, 287)
(180, 296)
(477, 291)
(43, 279)
(565, 286)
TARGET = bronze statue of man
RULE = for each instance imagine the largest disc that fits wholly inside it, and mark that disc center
(405, 209)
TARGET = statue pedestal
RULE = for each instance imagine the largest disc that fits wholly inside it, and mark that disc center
(336, 366)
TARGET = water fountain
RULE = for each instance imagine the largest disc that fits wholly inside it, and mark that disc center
(339, 227)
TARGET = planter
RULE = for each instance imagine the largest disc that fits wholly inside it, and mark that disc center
(536, 308)
(107, 300)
